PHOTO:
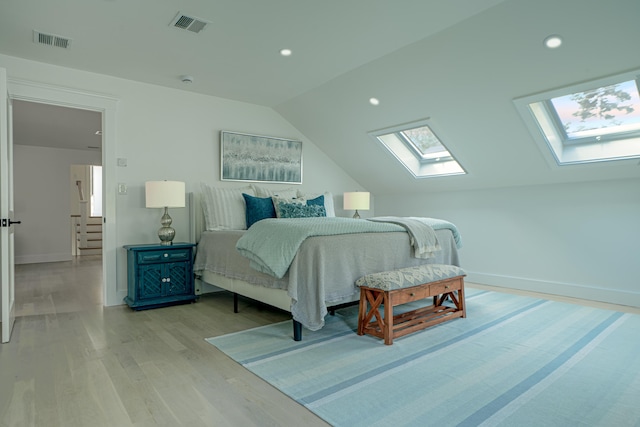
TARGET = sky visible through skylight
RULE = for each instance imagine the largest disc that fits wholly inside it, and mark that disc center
(605, 121)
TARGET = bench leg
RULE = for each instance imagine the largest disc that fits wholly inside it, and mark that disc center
(388, 320)
(370, 302)
(362, 311)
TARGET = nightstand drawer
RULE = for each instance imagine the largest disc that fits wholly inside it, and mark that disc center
(164, 256)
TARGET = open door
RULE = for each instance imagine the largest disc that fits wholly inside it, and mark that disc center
(7, 265)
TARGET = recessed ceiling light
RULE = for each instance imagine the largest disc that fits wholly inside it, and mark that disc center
(286, 52)
(553, 41)
(186, 79)
(374, 101)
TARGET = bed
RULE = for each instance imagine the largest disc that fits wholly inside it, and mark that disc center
(323, 271)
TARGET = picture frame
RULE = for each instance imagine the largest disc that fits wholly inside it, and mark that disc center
(256, 158)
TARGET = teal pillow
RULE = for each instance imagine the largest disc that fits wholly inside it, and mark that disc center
(298, 210)
(318, 201)
(258, 208)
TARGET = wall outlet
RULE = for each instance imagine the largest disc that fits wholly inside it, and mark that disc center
(122, 188)
(122, 162)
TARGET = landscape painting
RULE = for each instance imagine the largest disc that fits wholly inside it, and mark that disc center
(257, 158)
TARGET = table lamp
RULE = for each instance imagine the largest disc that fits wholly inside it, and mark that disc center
(356, 200)
(165, 194)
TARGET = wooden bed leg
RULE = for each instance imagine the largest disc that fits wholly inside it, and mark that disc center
(297, 331)
(235, 302)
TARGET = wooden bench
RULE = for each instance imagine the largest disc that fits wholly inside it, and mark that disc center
(392, 288)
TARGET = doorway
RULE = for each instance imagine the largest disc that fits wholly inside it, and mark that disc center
(106, 107)
(54, 146)
(48, 141)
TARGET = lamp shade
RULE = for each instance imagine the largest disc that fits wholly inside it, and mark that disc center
(358, 200)
(164, 194)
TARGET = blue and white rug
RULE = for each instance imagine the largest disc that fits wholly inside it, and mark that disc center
(514, 361)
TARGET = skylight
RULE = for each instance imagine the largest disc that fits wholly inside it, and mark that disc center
(419, 149)
(593, 122)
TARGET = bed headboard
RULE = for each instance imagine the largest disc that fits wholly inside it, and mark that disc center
(196, 217)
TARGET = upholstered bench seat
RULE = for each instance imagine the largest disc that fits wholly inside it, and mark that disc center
(396, 287)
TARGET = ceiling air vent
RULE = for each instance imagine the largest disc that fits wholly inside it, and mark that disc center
(189, 23)
(51, 40)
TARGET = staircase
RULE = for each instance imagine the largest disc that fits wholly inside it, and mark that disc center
(88, 232)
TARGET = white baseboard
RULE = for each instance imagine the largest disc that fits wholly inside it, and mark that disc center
(120, 295)
(608, 295)
(36, 259)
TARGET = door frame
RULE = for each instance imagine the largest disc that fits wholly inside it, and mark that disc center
(107, 105)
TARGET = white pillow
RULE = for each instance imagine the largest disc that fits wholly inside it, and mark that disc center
(224, 208)
(328, 201)
(287, 193)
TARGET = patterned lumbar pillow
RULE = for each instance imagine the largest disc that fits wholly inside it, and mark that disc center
(299, 210)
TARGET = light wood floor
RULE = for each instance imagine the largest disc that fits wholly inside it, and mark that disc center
(72, 362)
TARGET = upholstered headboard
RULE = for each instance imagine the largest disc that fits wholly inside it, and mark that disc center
(225, 207)
(196, 217)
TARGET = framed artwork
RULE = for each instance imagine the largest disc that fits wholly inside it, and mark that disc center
(245, 157)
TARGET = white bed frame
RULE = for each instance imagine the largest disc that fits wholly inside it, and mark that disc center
(211, 282)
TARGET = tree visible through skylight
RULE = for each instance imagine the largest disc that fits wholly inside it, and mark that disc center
(588, 122)
(601, 111)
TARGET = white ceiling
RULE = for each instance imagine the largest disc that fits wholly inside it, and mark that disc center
(56, 127)
(460, 62)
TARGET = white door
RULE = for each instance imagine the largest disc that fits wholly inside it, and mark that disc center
(7, 268)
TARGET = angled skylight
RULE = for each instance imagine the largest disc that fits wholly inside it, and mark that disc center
(592, 122)
(419, 150)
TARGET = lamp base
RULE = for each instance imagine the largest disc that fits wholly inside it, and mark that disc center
(166, 233)
(356, 215)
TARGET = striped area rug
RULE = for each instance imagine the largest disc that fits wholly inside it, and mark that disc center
(514, 361)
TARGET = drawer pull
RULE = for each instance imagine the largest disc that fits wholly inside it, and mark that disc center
(446, 287)
(166, 255)
(164, 279)
(412, 294)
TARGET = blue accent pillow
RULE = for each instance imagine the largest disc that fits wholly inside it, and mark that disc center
(258, 208)
(298, 210)
(318, 201)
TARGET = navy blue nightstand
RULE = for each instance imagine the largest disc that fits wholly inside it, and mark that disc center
(158, 275)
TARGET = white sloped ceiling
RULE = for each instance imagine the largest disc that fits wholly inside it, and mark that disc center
(465, 79)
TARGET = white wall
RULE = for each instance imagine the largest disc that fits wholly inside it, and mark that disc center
(42, 201)
(80, 173)
(172, 134)
(577, 240)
